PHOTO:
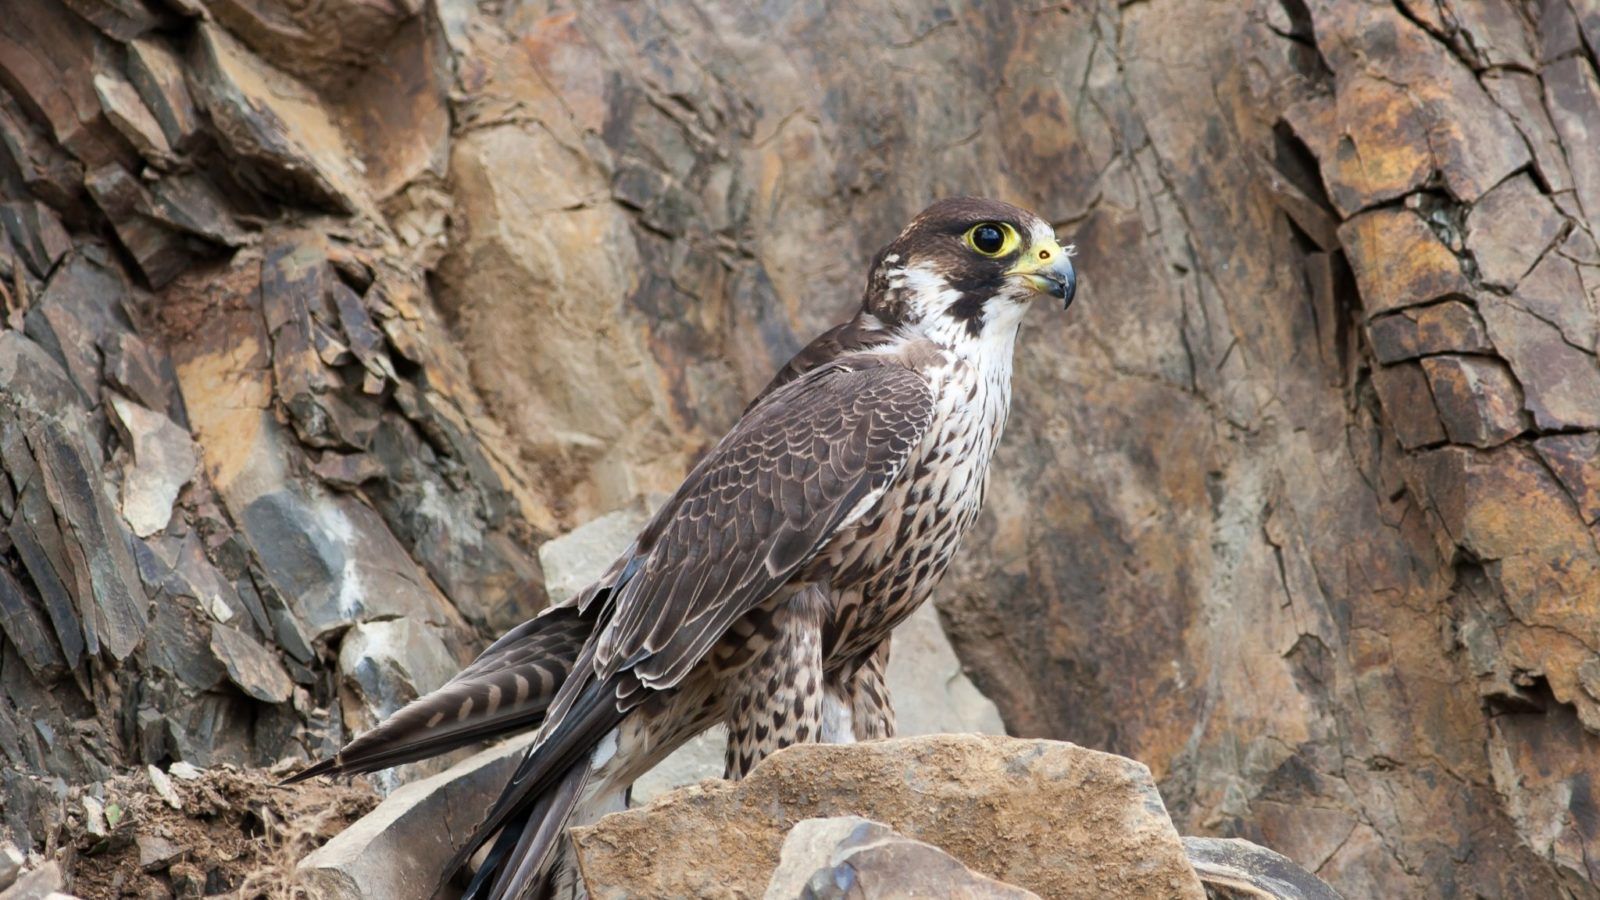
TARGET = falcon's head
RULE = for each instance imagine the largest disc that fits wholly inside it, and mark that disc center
(967, 268)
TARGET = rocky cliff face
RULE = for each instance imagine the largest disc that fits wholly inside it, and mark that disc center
(318, 320)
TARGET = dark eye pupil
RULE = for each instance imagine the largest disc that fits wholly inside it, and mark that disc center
(988, 239)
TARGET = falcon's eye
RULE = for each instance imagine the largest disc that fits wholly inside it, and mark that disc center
(993, 238)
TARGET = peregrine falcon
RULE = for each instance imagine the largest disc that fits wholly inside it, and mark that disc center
(762, 594)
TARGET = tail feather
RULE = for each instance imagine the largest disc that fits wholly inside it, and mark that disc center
(532, 811)
(506, 690)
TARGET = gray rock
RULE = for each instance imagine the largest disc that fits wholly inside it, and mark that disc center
(156, 852)
(39, 884)
(398, 850)
(11, 860)
(157, 74)
(578, 557)
(851, 857)
(162, 783)
(1239, 870)
(164, 460)
(254, 668)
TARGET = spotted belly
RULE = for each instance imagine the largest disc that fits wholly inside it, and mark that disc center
(888, 563)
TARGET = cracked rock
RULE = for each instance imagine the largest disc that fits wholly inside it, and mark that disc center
(1478, 401)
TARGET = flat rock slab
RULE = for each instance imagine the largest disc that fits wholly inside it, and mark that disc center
(1051, 817)
(398, 850)
(1234, 868)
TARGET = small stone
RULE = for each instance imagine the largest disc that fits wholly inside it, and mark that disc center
(852, 857)
(1398, 261)
(347, 471)
(188, 881)
(164, 789)
(184, 771)
(156, 852)
(397, 850)
(94, 817)
(36, 233)
(1478, 401)
(1408, 404)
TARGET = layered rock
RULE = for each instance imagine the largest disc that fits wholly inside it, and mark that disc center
(1298, 504)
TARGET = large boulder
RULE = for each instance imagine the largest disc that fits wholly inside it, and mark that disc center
(1054, 818)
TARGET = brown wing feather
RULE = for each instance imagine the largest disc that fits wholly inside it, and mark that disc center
(761, 503)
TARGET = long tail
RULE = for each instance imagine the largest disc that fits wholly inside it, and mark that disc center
(506, 690)
(528, 820)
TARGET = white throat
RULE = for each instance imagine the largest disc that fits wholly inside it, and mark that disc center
(990, 348)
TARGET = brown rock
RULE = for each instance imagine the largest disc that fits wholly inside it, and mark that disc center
(1575, 460)
(36, 233)
(1573, 96)
(1510, 229)
(1522, 97)
(1408, 403)
(273, 125)
(1478, 401)
(128, 114)
(1560, 383)
(1398, 261)
(1404, 107)
(848, 856)
(1052, 818)
(1448, 327)
(157, 74)
(1554, 291)
(156, 852)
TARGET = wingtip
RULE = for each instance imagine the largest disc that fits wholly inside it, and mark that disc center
(326, 767)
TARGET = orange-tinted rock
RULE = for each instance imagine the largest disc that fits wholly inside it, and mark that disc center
(1408, 404)
(1448, 327)
(1478, 401)
(1398, 261)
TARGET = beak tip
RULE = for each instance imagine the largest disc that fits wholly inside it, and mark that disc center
(1069, 284)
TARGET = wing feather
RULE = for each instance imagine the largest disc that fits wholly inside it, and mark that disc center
(806, 456)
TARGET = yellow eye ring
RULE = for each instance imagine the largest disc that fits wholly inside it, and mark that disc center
(993, 239)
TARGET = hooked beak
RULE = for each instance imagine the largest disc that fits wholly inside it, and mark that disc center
(1048, 269)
